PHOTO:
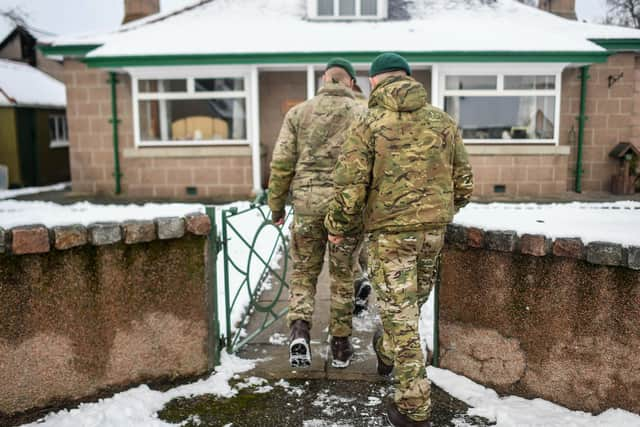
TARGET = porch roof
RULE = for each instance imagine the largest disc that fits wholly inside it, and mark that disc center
(276, 31)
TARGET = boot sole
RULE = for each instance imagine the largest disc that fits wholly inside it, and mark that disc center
(340, 364)
(299, 354)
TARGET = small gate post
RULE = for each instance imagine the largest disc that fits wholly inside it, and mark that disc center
(436, 313)
(213, 336)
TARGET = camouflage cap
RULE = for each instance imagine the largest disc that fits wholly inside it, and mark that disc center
(342, 63)
(387, 62)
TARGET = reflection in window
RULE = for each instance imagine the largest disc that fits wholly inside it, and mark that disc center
(369, 7)
(193, 120)
(471, 82)
(347, 7)
(219, 85)
(161, 86)
(325, 7)
(503, 117)
(529, 82)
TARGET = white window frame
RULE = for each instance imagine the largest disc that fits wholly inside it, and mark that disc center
(382, 9)
(61, 138)
(190, 74)
(501, 71)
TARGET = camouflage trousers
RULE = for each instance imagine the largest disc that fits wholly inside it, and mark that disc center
(308, 243)
(403, 272)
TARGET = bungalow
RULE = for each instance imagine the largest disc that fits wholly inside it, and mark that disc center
(190, 102)
(33, 127)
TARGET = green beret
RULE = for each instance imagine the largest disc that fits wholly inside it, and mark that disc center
(387, 62)
(342, 63)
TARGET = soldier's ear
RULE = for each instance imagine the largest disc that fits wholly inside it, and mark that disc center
(372, 82)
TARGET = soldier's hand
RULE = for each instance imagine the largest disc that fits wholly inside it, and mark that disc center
(277, 218)
(336, 240)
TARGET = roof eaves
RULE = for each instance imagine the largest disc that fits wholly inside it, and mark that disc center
(72, 50)
(618, 45)
(320, 57)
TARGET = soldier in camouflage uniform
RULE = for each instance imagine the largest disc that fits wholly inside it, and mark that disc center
(303, 161)
(405, 166)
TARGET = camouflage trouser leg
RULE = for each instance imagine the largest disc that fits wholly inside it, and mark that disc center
(342, 269)
(308, 243)
(403, 271)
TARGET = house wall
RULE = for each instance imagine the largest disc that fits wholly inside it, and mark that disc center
(610, 117)
(217, 172)
(12, 50)
(9, 145)
(610, 120)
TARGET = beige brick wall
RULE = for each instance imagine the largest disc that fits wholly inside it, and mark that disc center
(521, 175)
(91, 148)
(610, 113)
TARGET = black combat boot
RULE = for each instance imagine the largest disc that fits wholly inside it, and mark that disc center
(299, 344)
(342, 352)
(398, 419)
(383, 368)
(362, 292)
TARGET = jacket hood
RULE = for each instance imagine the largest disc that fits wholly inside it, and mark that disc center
(336, 89)
(399, 94)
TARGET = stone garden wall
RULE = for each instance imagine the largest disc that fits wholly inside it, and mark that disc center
(557, 320)
(89, 309)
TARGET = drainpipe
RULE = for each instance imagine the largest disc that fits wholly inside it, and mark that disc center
(584, 76)
(114, 123)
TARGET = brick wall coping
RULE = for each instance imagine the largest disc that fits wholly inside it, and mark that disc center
(38, 239)
(599, 253)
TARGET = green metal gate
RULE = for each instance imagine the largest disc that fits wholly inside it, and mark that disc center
(248, 265)
(241, 277)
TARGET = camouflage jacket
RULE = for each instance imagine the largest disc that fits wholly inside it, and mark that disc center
(307, 149)
(404, 165)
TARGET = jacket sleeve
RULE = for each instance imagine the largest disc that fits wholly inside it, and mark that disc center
(283, 163)
(351, 177)
(462, 173)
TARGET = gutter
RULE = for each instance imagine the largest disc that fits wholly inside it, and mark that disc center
(114, 123)
(582, 118)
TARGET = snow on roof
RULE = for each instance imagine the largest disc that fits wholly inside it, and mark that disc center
(102, 37)
(6, 27)
(280, 26)
(23, 85)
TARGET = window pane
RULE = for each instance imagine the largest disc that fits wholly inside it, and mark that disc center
(347, 7)
(52, 128)
(471, 82)
(529, 82)
(157, 86)
(369, 7)
(219, 85)
(64, 133)
(503, 117)
(193, 120)
(325, 7)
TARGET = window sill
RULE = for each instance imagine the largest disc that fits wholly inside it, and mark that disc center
(59, 144)
(186, 152)
(521, 150)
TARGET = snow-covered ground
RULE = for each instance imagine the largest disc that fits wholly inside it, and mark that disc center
(138, 406)
(7, 194)
(617, 222)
